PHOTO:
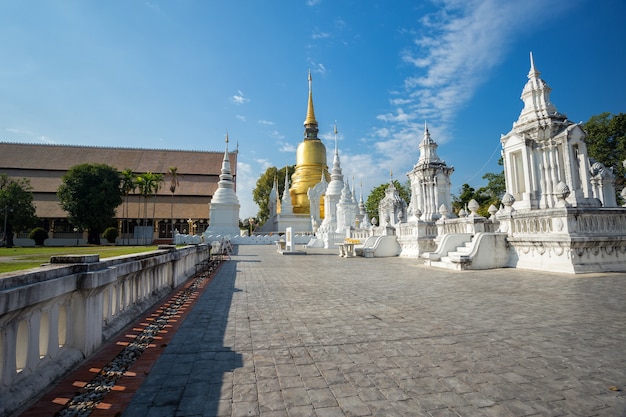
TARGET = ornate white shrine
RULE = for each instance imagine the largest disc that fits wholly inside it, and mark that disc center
(430, 182)
(561, 213)
(346, 209)
(224, 205)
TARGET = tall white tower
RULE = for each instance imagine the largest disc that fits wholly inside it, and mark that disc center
(224, 206)
(430, 181)
(333, 191)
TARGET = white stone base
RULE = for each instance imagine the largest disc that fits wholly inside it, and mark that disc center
(279, 223)
(413, 247)
(599, 255)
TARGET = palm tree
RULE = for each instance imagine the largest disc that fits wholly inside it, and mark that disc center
(157, 180)
(145, 183)
(127, 186)
(172, 172)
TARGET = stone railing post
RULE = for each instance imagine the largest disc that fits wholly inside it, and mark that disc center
(53, 331)
(86, 310)
(32, 350)
(8, 350)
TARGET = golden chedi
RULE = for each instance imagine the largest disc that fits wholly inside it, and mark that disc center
(310, 162)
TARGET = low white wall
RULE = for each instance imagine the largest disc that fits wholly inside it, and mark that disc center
(266, 239)
(53, 317)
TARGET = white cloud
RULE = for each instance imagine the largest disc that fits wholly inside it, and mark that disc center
(316, 67)
(313, 2)
(241, 117)
(25, 133)
(364, 172)
(328, 136)
(266, 123)
(400, 101)
(275, 134)
(399, 117)
(154, 7)
(46, 139)
(264, 163)
(317, 34)
(287, 147)
(239, 98)
(452, 54)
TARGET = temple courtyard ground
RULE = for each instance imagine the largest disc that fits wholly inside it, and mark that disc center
(319, 335)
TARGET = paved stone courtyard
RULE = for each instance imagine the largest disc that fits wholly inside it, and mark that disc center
(319, 335)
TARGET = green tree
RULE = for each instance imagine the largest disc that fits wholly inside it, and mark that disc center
(496, 184)
(90, 193)
(378, 193)
(39, 235)
(110, 234)
(491, 194)
(16, 206)
(483, 196)
(261, 193)
(606, 143)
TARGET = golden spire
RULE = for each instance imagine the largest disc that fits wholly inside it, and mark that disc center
(310, 112)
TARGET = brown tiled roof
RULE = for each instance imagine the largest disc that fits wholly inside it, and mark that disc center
(63, 157)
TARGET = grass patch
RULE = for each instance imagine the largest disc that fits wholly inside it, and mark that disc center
(18, 259)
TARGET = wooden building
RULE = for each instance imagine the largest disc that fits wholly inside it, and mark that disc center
(198, 175)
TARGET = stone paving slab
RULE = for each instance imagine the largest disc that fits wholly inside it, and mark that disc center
(320, 335)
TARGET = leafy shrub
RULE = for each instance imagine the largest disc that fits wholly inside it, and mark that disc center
(39, 235)
(110, 234)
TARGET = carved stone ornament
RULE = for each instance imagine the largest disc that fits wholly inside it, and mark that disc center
(443, 210)
(562, 190)
(473, 206)
(508, 199)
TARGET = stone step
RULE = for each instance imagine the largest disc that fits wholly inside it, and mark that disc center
(463, 249)
(446, 264)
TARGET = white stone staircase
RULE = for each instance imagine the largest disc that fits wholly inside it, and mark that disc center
(462, 251)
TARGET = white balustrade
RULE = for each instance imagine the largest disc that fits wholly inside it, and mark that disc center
(54, 317)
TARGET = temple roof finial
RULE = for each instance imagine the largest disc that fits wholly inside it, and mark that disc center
(310, 113)
(335, 131)
(533, 73)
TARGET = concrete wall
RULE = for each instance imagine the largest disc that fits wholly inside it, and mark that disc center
(53, 317)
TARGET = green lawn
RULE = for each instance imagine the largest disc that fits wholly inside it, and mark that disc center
(17, 259)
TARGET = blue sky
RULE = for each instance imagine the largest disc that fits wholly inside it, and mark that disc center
(179, 74)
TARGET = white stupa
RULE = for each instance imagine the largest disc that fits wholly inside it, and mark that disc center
(333, 192)
(224, 206)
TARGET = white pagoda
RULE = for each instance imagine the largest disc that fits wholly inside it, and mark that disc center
(430, 182)
(224, 205)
